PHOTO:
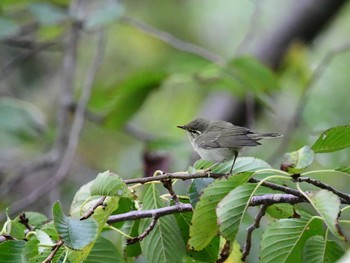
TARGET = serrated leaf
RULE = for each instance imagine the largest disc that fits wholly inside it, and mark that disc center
(231, 209)
(333, 139)
(131, 95)
(243, 164)
(327, 204)
(109, 184)
(165, 238)
(297, 161)
(75, 233)
(343, 169)
(284, 239)
(317, 250)
(196, 189)
(204, 222)
(12, 251)
(31, 249)
(104, 252)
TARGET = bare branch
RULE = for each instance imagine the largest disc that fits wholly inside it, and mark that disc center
(173, 41)
(225, 252)
(319, 184)
(270, 199)
(145, 233)
(54, 251)
(91, 210)
(134, 215)
(250, 230)
(74, 134)
(169, 186)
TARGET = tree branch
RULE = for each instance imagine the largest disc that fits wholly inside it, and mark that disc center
(145, 233)
(54, 251)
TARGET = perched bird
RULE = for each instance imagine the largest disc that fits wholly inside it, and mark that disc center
(220, 141)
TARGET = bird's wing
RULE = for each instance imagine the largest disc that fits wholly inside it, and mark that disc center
(230, 138)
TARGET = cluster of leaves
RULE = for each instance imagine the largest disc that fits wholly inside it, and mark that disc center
(219, 206)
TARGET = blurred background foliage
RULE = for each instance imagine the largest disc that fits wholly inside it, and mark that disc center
(147, 86)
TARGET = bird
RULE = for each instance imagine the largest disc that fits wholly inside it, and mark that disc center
(220, 141)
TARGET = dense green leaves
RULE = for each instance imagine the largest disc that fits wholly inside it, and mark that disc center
(204, 222)
(333, 139)
(284, 239)
(75, 233)
(11, 251)
(104, 252)
(165, 238)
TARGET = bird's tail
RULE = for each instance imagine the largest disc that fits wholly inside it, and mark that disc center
(259, 136)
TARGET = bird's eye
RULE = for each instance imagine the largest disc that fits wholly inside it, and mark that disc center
(195, 132)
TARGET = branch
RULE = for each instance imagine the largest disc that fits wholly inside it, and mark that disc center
(134, 215)
(225, 252)
(250, 230)
(74, 134)
(169, 186)
(173, 41)
(91, 210)
(345, 197)
(145, 233)
(270, 199)
(54, 251)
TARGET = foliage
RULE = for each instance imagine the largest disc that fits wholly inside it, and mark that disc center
(221, 208)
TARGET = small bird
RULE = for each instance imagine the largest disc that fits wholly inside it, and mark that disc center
(220, 141)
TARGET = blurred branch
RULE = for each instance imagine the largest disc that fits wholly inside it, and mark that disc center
(172, 40)
(77, 125)
(153, 223)
(304, 98)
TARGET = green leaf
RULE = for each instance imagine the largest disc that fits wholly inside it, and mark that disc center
(327, 204)
(8, 28)
(204, 222)
(280, 211)
(12, 251)
(109, 184)
(132, 229)
(31, 249)
(196, 189)
(131, 96)
(231, 209)
(35, 219)
(333, 139)
(343, 169)
(243, 164)
(47, 14)
(317, 250)
(283, 240)
(104, 252)
(75, 233)
(109, 12)
(165, 238)
(297, 161)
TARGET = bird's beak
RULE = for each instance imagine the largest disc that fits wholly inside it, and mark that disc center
(181, 127)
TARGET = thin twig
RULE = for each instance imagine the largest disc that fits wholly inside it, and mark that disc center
(173, 41)
(91, 210)
(321, 185)
(145, 233)
(225, 252)
(54, 251)
(25, 221)
(250, 230)
(74, 135)
(169, 186)
(270, 199)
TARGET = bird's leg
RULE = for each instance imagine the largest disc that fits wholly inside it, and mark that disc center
(234, 160)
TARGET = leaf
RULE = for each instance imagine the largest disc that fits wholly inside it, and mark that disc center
(104, 252)
(283, 240)
(343, 169)
(109, 12)
(165, 238)
(231, 209)
(109, 184)
(76, 234)
(243, 164)
(131, 96)
(12, 251)
(8, 28)
(47, 14)
(280, 211)
(333, 139)
(327, 204)
(196, 189)
(204, 222)
(297, 161)
(317, 250)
